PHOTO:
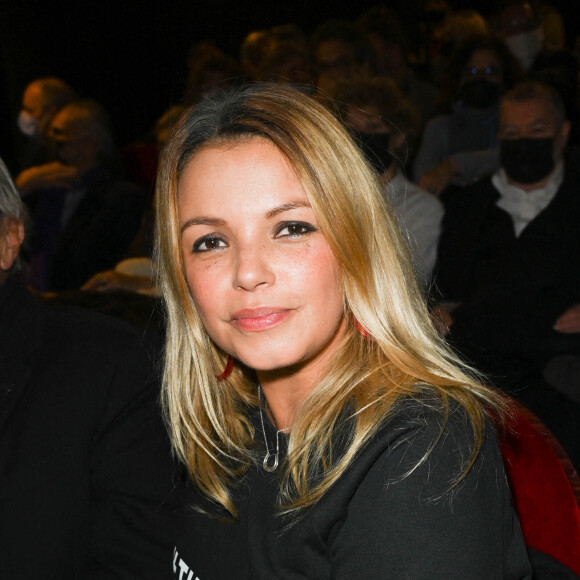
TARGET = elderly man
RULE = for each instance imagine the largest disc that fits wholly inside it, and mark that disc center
(85, 466)
(509, 259)
(87, 225)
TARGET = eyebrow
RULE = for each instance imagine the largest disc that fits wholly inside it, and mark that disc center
(287, 207)
(202, 221)
(214, 221)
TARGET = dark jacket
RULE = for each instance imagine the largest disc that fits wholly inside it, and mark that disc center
(96, 236)
(511, 290)
(85, 466)
(380, 520)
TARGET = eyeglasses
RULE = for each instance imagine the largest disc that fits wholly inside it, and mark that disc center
(488, 71)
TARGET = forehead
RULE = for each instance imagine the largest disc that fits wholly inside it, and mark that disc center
(484, 57)
(522, 113)
(68, 120)
(32, 97)
(247, 174)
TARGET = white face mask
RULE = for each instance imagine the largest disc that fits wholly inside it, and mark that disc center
(526, 46)
(28, 124)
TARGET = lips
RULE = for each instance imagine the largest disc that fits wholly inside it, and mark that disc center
(259, 319)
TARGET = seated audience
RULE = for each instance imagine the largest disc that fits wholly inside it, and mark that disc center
(252, 51)
(86, 226)
(384, 122)
(85, 466)
(518, 24)
(41, 101)
(288, 62)
(210, 71)
(461, 147)
(509, 258)
(451, 35)
(341, 52)
(393, 54)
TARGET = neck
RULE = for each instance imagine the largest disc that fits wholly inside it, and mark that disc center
(285, 389)
(284, 394)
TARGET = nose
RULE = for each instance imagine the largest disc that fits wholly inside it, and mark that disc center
(253, 268)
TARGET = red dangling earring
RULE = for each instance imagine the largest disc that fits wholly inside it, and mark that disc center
(360, 328)
(228, 370)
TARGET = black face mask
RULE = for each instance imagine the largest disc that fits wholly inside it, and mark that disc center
(479, 93)
(375, 146)
(527, 160)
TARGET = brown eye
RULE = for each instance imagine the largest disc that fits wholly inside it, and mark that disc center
(208, 244)
(294, 229)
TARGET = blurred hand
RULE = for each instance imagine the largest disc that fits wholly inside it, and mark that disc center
(55, 175)
(569, 322)
(111, 281)
(437, 180)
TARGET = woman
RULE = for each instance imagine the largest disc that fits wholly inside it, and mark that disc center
(326, 429)
(461, 147)
(385, 122)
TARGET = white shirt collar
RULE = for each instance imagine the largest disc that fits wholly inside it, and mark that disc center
(524, 206)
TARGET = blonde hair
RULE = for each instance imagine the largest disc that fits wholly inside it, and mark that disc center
(208, 419)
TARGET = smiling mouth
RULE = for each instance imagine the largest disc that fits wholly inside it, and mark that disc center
(259, 319)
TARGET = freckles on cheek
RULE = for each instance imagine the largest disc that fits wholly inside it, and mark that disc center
(199, 280)
(206, 284)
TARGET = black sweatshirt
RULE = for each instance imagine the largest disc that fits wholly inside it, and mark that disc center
(377, 521)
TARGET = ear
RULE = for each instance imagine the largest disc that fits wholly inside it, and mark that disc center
(11, 238)
(562, 139)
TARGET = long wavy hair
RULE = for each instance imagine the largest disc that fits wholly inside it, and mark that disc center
(404, 355)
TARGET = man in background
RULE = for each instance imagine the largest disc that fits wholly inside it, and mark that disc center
(85, 465)
(509, 260)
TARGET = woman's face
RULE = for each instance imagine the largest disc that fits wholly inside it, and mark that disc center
(261, 273)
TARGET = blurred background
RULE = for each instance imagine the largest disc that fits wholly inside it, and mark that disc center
(131, 55)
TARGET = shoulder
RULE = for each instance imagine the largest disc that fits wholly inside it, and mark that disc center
(421, 450)
(421, 431)
(416, 500)
(437, 124)
(97, 352)
(81, 326)
(401, 191)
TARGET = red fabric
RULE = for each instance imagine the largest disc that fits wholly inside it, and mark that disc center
(543, 484)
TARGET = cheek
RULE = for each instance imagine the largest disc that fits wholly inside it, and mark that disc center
(204, 284)
(322, 280)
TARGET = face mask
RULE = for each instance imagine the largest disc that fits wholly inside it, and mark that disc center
(526, 46)
(27, 124)
(375, 146)
(479, 93)
(527, 160)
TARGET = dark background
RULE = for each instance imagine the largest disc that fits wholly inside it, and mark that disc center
(130, 55)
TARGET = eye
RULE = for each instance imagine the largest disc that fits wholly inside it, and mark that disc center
(208, 244)
(508, 134)
(294, 229)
